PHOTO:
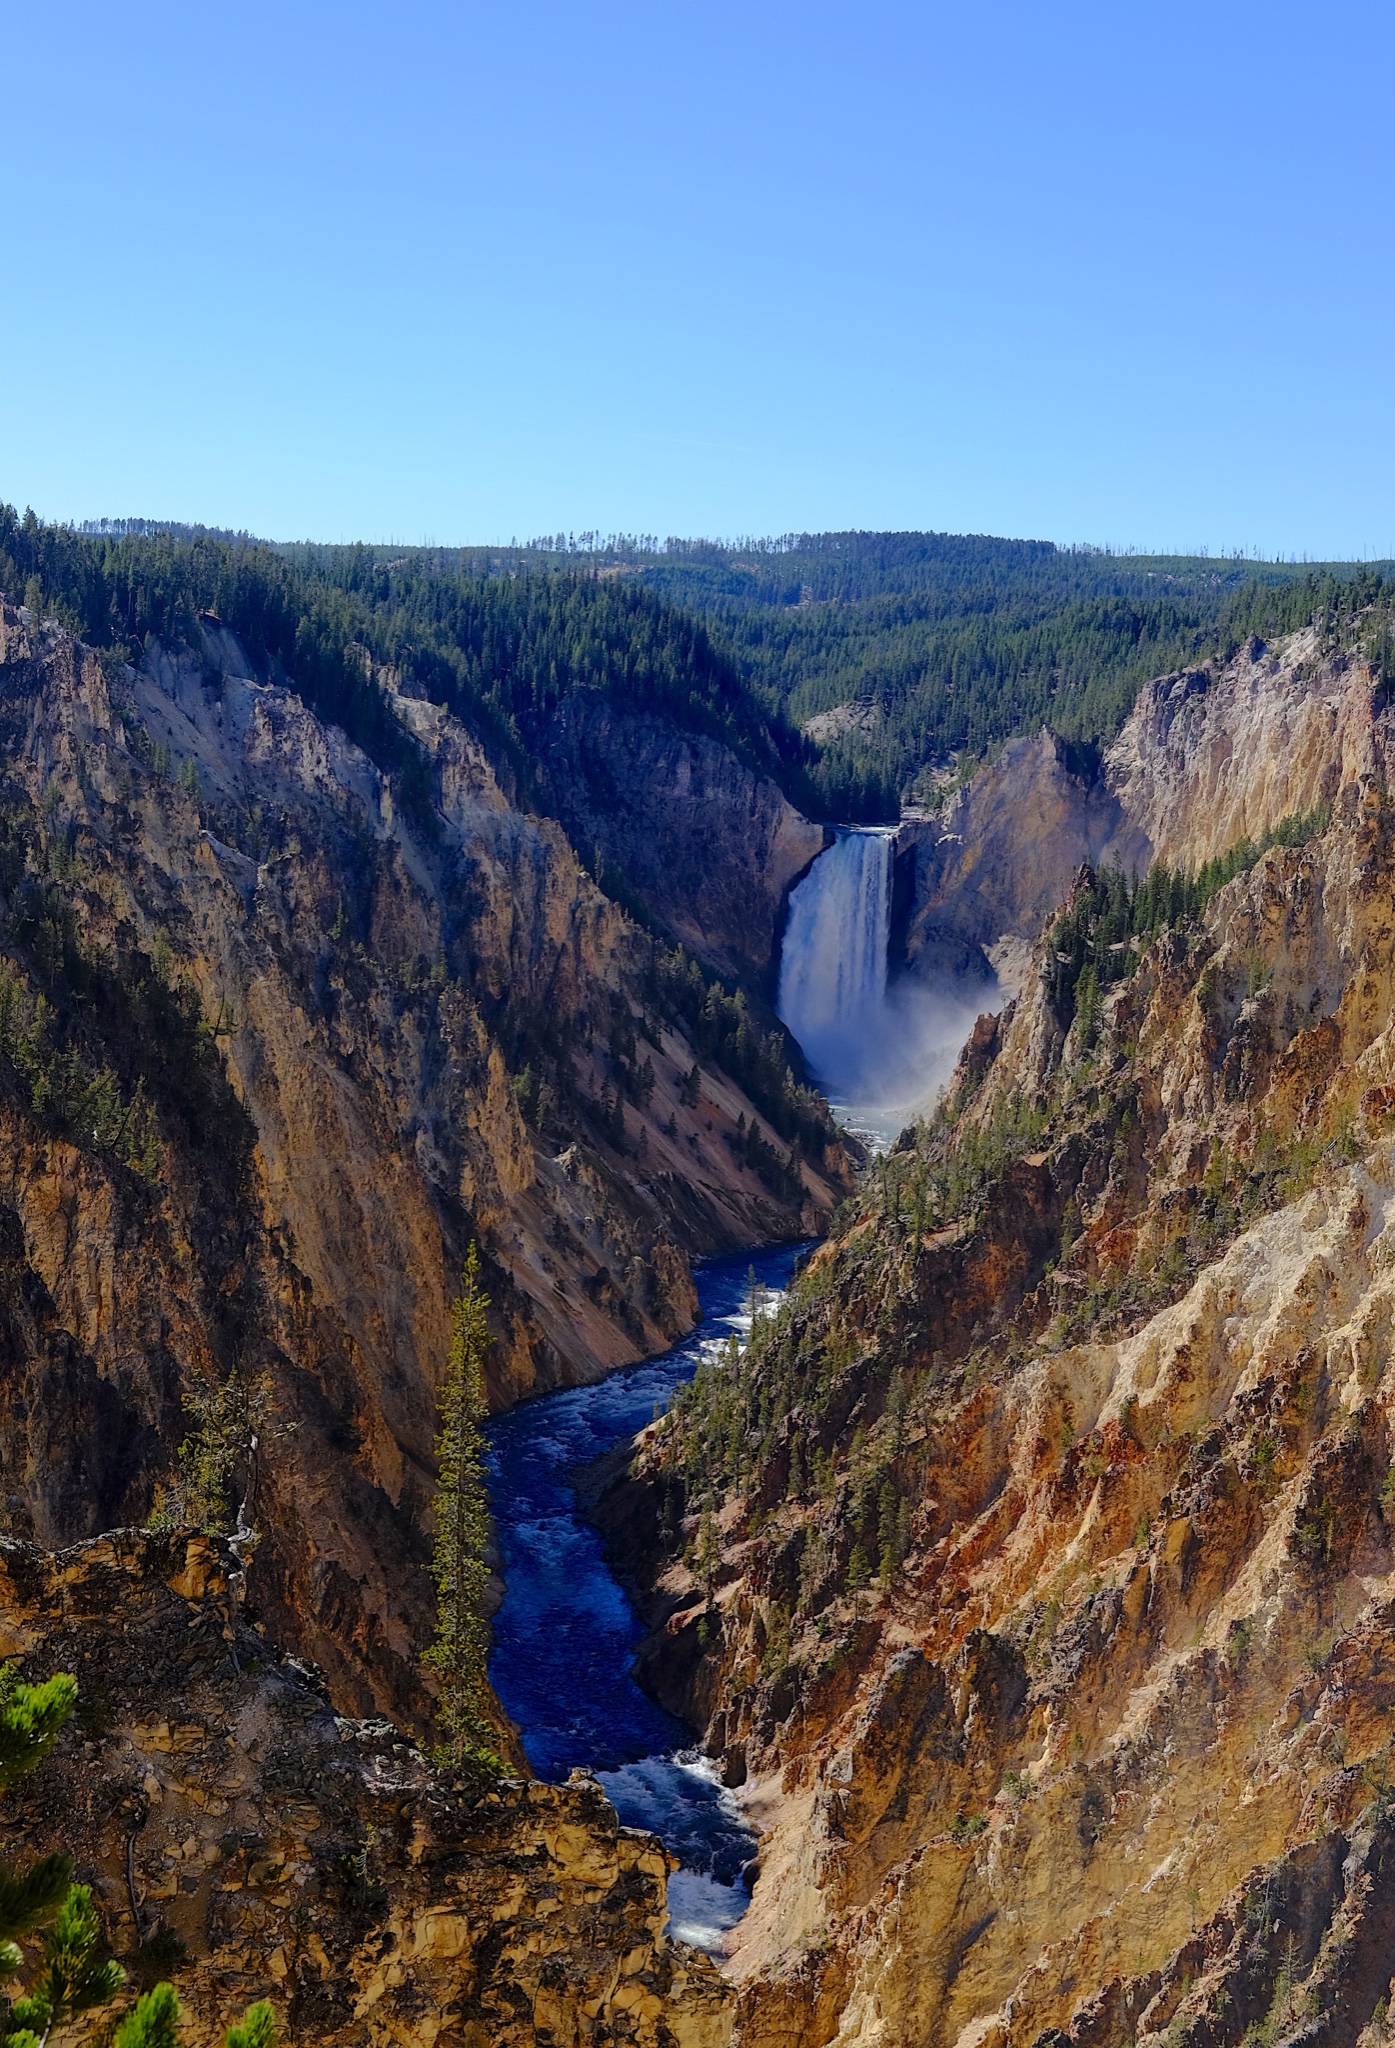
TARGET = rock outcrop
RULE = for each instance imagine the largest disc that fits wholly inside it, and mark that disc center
(979, 877)
(1048, 1629)
(241, 1835)
(1205, 758)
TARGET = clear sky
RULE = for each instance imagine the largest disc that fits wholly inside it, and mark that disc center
(450, 272)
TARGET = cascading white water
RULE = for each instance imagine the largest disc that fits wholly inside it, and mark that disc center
(833, 961)
(882, 1054)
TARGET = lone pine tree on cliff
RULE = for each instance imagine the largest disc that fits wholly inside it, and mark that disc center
(461, 1643)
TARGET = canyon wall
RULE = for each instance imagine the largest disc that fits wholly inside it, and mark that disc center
(979, 877)
(365, 1033)
(1048, 1632)
(1204, 759)
(708, 847)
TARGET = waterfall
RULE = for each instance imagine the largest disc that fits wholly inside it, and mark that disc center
(882, 1054)
(833, 961)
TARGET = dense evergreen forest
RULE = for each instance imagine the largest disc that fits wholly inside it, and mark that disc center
(929, 650)
(945, 645)
(502, 650)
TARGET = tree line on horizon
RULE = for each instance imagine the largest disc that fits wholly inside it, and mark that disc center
(947, 645)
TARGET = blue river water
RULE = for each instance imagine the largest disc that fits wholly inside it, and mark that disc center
(565, 1636)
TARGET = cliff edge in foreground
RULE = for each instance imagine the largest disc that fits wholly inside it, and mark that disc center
(240, 1834)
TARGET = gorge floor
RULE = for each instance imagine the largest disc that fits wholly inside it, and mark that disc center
(565, 1635)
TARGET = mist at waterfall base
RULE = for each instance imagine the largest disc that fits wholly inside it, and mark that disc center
(565, 1636)
(882, 1051)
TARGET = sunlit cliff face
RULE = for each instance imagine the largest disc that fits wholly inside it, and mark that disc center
(1052, 1628)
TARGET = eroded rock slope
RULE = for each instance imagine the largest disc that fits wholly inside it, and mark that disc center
(239, 1833)
(1035, 1572)
(276, 1046)
(709, 847)
(1207, 757)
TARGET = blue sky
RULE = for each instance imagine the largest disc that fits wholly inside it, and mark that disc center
(447, 272)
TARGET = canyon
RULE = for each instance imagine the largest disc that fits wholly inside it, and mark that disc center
(1048, 1633)
(1026, 1577)
(363, 992)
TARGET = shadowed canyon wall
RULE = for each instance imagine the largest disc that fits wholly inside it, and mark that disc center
(707, 847)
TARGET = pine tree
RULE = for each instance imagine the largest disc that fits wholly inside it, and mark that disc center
(154, 2023)
(707, 1553)
(1088, 1009)
(72, 1980)
(31, 1718)
(256, 2029)
(460, 1646)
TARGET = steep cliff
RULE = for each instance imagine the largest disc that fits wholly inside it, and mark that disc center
(1206, 757)
(708, 847)
(239, 1834)
(979, 877)
(1033, 1572)
(276, 1045)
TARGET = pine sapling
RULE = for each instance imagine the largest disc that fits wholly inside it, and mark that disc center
(73, 1978)
(256, 2028)
(460, 1647)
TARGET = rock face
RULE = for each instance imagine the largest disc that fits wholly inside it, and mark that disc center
(999, 856)
(365, 1034)
(1202, 761)
(709, 848)
(1051, 1633)
(213, 1799)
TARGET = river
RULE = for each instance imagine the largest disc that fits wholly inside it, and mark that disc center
(565, 1636)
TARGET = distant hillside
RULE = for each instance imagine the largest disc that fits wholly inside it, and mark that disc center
(938, 647)
(500, 651)
(949, 644)
(941, 646)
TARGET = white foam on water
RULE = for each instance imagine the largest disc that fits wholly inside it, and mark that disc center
(681, 1799)
(703, 1911)
(883, 1053)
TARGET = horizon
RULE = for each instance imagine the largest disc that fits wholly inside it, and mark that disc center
(586, 541)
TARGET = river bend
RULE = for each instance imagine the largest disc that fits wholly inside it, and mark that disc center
(565, 1636)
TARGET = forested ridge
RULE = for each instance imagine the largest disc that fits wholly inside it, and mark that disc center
(948, 644)
(939, 646)
(502, 651)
